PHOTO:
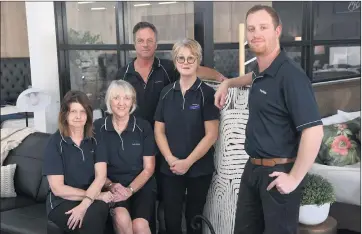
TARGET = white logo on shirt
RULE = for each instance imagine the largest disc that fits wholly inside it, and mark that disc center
(136, 143)
(158, 81)
(262, 91)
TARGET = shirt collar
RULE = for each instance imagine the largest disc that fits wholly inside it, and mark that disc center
(131, 68)
(195, 86)
(68, 139)
(274, 66)
(132, 122)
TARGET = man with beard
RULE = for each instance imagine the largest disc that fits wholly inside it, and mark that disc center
(283, 133)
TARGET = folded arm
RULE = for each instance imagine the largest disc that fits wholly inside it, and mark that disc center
(59, 189)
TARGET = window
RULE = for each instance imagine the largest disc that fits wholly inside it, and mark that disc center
(227, 61)
(337, 20)
(173, 20)
(91, 72)
(91, 22)
(335, 62)
(228, 16)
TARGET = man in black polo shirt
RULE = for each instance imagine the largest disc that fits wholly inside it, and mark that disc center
(283, 133)
(149, 74)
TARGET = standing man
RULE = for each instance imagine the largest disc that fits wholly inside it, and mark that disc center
(283, 133)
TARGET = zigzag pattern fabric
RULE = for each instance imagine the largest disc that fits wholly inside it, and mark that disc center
(230, 159)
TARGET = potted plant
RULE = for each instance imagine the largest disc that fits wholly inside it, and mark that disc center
(317, 196)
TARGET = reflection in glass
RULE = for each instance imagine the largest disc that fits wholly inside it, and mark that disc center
(335, 62)
(91, 72)
(173, 20)
(337, 20)
(228, 16)
(227, 61)
(91, 22)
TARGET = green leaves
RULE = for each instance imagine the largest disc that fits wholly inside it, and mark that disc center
(317, 191)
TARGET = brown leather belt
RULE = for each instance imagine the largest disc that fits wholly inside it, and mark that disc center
(270, 162)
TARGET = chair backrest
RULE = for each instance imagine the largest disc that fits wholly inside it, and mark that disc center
(229, 153)
(28, 157)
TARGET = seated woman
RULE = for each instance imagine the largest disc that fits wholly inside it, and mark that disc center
(186, 128)
(128, 143)
(75, 171)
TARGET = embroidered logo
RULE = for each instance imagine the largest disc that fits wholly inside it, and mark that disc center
(136, 143)
(262, 91)
(194, 107)
(158, 81)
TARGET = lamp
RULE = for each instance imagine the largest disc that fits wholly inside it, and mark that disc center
(31, 100)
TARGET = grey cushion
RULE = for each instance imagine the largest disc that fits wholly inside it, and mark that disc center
(28, 157)
(33, 220)
(15, 202)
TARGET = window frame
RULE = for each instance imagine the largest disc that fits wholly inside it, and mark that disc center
(203, 33)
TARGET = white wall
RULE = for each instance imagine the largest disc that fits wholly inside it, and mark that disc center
(43, 60)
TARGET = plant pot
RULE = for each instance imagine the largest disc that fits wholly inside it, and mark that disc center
(313, 214)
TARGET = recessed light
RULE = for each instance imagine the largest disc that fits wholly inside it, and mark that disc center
(166, 3)
(142, 4)
(84, 2)
(98, 8)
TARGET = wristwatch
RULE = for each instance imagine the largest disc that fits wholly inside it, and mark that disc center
(130, 188)
(108, 186)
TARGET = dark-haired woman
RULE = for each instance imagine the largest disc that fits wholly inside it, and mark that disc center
(75, 172)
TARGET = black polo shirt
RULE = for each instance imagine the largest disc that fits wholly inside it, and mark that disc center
(184, 118)
(281, 106)
(124, 152)
(163, 72)
(76, 163)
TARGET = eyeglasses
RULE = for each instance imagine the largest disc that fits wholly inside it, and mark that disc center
(182, 59)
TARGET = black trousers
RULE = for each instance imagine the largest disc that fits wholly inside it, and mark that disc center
(174, 189)
(265, 212)
(94, 220)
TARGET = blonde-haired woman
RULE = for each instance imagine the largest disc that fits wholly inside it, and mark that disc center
(128, 143)
(186, 128)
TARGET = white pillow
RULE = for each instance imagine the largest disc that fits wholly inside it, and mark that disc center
(7, 181)
(349, 115)
(333, 119)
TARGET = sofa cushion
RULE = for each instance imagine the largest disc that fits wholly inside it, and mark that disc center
(30, 220)
(340, 146)
(28, 157)
(7, 181)
(15, 202)
(43, 190)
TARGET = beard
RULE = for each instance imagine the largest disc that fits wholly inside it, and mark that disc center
(258, 49)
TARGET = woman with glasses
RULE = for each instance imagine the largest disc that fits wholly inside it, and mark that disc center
(186, 127)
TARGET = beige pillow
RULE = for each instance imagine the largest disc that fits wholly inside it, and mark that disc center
(7, 181)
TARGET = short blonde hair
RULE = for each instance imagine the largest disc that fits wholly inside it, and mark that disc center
(113, 90)
(191, 44)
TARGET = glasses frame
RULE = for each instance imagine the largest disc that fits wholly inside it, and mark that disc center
(182, 59)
